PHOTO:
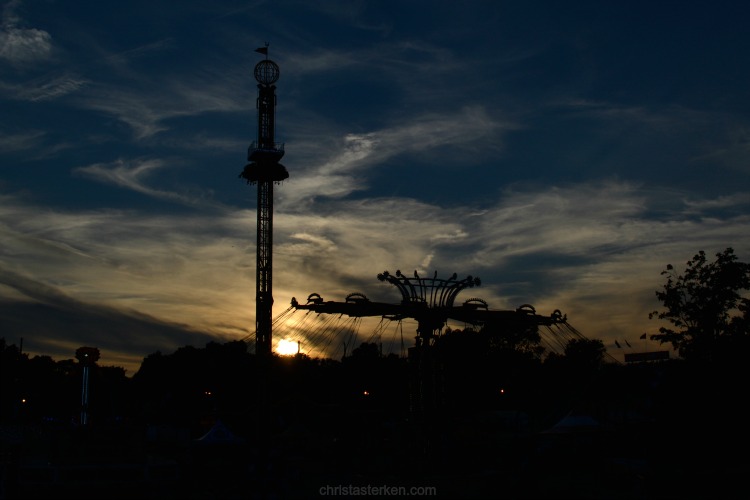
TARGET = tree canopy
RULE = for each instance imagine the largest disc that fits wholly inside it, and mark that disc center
(707, 311)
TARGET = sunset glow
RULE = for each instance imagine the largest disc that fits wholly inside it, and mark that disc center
(566, 179)
(287, 347)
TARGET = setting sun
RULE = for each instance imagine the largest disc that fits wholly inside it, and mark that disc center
(287, 347)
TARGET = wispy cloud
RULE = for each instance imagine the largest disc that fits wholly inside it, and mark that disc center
(122, 60)
(517, 154)
(146, 105)
(319, 61)
(133, 175)
(143, 114)
(733, 151)
(344, 170)
(587, 249)
(128, 261)
(125, 174)
(20, 142)
(739, 201)
(48, 316)
(49, 89)
(19, 44)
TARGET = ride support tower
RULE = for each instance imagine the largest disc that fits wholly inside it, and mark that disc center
(265, 170)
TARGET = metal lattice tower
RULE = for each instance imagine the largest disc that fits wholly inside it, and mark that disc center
(265, 170)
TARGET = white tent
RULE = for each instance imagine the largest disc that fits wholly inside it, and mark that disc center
(574, 423)
(219, 434)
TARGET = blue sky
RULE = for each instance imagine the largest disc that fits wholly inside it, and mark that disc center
(564, 152)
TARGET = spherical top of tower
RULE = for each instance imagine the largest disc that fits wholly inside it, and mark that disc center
(266, 72)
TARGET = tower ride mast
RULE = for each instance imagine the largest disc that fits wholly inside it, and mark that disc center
(265, 170)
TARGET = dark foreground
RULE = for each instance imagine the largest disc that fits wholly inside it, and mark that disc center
(502, 454)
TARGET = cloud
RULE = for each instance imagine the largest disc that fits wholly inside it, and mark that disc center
(133, 175)
(321, 61)
(400, 156)
(588, 249)
(120, 61)
(448, 135)
(51, 89)
(129, 282)
(733, 151)
(146, 105)
(143, 114)
(20, 142)
(22, 45)
(125, 174)
(205, 142)
(122, 336)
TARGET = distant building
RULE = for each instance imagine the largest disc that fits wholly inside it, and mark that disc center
(641, 357)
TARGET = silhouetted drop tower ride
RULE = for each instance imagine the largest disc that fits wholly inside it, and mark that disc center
(265, 170)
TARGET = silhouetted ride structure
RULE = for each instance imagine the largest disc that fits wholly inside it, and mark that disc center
(264, 170)
(431, 302)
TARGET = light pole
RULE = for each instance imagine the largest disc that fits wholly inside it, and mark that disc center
(87, 357)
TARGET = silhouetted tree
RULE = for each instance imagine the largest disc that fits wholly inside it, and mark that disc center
(699, 304)
(366, 350)
(489, 368)
(521, 338)
(192, 384)
(587, 353)
(372, 377)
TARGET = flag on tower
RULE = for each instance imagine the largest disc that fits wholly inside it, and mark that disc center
(262, 50)
(643, 337)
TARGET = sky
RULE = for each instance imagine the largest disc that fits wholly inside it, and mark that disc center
(562, 152)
